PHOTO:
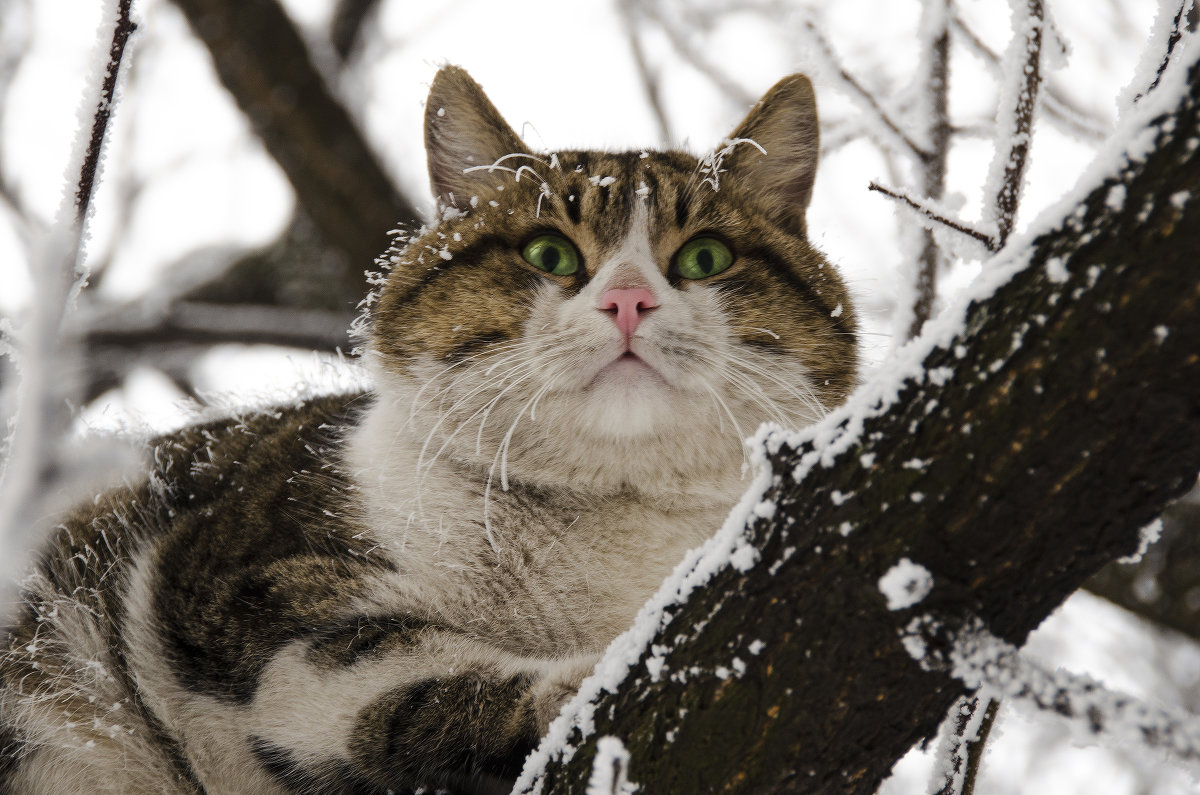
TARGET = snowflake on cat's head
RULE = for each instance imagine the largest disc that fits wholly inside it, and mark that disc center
(710, 164)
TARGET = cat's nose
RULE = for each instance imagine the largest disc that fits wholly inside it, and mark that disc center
(626, 305)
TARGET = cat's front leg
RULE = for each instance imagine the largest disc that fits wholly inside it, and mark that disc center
(434, 709)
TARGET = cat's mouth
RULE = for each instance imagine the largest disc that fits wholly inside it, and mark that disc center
(628, 368)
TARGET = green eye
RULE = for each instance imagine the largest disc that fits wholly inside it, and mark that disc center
(702, 257)
(552, 254)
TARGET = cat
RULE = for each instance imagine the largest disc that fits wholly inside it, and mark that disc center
(397, 590)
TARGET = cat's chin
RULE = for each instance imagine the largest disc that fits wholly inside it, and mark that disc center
(626, 372)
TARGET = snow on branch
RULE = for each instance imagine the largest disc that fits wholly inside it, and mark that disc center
(1056, 105)
(1014, 116)
(886, 129)
(35, 468)
(927, 210)
(981, 660)
(1183, 22)
(965, 732)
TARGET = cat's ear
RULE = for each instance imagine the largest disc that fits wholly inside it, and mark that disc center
(778, 168)
(463, 130)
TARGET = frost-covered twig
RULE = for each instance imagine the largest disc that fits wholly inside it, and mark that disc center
(933, 214)
(1054, 102)
(34, 466)
(1014, 117)
(830, 63)
(1184, 20)
(965, 734)
(91, 159)
(934, 76)
(979, 659)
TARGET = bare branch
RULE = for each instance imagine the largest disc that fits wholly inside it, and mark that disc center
(735, 92)
(194, 323)
(934, 215)
(1014, 124)
(863, 98)
(346, 27)
(261, 58)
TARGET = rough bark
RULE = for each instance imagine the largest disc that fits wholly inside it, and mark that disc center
(1065, 418)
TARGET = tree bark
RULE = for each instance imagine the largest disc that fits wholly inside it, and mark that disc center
(1061, 417)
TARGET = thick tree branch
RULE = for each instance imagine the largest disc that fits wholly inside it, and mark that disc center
(1020, 452)
(263, 62)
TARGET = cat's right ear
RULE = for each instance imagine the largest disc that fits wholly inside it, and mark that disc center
(777, 170)
(463, 130)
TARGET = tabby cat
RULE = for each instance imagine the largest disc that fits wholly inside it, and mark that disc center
(398, 590)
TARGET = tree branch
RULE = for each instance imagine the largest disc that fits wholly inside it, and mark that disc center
(1056, 104)
(1014, 124)
(261, 59)
(1009, 454)
(863, 98)
(934, 215)
(935, 77)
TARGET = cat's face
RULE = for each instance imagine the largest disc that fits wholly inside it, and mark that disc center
(611, 320)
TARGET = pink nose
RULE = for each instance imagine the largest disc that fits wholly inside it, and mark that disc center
(626, 306)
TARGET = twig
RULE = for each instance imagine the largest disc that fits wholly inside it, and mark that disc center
(650, 83)
(91, 159)
(1184, 16)
(346, 27)
(1014, 124)
(1055, 103)
(932, 214)
(979, 659)
(934, 74)
(961, 752)
(727, 85)
(859, 94)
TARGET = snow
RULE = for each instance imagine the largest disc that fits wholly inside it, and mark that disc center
(1146, 536)
(610, 769)
(980, 659)
(905, 584)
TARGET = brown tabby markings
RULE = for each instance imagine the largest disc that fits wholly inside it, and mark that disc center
(396, 592)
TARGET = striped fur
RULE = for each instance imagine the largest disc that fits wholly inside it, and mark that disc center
(398, 590)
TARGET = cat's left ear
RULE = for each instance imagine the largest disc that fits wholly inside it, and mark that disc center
(463, 130)
(779, 176)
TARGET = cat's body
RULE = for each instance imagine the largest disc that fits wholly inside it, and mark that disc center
(398, 590)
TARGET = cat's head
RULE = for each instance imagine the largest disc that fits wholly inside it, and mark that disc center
(612, 320)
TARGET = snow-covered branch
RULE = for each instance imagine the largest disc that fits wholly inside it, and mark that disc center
(1008, 453)
(927, 210)
(1014, 117)
(981, 660)
(883, 126)
(35, 468)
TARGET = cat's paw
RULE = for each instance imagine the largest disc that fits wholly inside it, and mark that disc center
(558, 686)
